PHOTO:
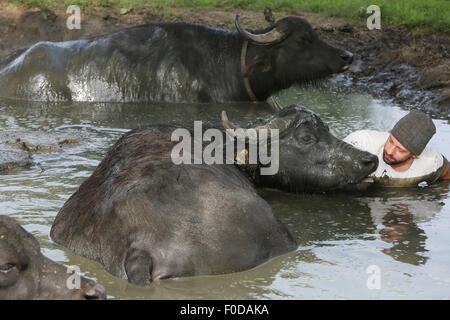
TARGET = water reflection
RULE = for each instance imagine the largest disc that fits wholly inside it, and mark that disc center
(393, 215)
(407, 238)
(398, 214)
(50, 115)
(281, 278)
(316, 219)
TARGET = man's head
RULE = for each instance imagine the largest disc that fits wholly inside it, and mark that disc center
(408, 138)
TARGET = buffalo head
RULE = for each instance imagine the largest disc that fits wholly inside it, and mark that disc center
(310, 157)
(26, 274)
(289, 52)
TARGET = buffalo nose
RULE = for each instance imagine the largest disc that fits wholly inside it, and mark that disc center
(370, 161)
(347, 57)
(95, 291)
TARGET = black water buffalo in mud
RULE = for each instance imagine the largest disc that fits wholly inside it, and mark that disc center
(144, 217)
(173, 62)
(26, 274)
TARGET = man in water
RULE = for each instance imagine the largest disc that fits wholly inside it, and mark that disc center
(406, 161)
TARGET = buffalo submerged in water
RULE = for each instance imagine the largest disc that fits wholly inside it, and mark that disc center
(173, 62)
(145, 218)
(26, 274)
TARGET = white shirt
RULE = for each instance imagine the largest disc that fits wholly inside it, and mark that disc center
(427, 167)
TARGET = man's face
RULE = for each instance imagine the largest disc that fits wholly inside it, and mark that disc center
(394, 152)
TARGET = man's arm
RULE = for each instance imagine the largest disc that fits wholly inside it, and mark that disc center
(446, 174)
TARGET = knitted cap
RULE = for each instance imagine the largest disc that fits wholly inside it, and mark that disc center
(414, 131)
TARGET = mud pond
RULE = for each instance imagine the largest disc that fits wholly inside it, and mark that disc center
(401, 233)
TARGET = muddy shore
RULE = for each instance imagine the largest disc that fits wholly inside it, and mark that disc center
(410, 67)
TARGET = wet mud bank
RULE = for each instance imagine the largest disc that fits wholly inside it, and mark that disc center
(410, 67)
(398, 64)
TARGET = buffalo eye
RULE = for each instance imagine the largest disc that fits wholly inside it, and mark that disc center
(307, 139)
(5, 268)
(9, 274)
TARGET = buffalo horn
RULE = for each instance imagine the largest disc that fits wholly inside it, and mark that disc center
(227, 125)
(225, 122)
(269, 37)
(274, 103)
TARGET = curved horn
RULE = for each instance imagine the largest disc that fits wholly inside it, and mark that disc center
(227, 125)
(232, 134)
(274, 103)
(225, 122)
(271, 36)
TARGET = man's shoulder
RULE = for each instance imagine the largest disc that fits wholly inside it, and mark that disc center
(368, 140)
(369, 133)
(430, 158)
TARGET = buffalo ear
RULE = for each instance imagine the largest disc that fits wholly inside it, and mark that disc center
(256, 66)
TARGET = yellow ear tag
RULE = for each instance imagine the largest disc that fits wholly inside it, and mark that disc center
(242, 157)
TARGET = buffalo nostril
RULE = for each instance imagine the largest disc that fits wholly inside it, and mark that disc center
(371, 160)
(95, 292)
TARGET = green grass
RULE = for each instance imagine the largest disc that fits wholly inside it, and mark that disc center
(432, 13)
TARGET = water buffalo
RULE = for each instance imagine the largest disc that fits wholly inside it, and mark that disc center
(26, 274)
(173, 62)
(144, 217)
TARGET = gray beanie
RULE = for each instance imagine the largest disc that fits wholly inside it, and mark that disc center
(414, 131)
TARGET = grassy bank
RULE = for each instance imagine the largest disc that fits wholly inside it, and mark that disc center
(430, 13)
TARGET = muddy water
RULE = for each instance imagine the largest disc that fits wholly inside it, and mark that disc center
(400, 233)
